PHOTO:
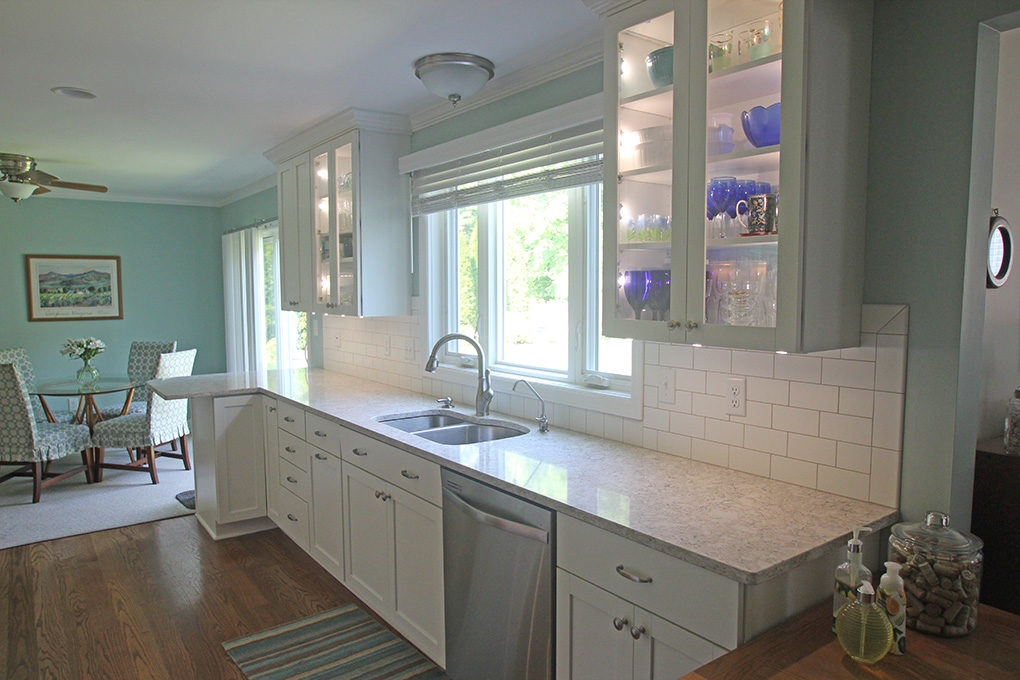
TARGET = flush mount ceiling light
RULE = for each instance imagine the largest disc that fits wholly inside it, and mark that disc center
(73, 92)
(453, 75)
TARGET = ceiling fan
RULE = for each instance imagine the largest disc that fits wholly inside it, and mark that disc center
(20, 179)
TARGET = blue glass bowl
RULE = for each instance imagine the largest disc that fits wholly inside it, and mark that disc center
(762, 125)
(660, 66)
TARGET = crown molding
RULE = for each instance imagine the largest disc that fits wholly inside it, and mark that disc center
(566, 62)
(114, 197)
(605, 8)
(249, 190)
(334, 126)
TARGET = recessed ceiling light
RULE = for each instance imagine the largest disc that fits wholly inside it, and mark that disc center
(75, 92)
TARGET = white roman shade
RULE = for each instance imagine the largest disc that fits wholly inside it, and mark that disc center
(566, 158)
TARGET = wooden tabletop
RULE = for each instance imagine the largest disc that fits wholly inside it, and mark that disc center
(804, 648)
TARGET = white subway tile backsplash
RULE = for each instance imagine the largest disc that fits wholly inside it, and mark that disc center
(712, 359)
(651, 354)
(692, 426)
(753, 462)
(760, 364)
(633, 432)
(813, 396)
(812, 449)
(885, 477)
(765, 439)
(677, 356)
(847, 373)
(794, 471)
(656, 418)
(710, 452)
(683, 401)
(579, 418)
(650, 438)
(724, 432)
(768, 390)
(708, 405)
(717, 383)
(596, 424)
(686, 379)
(855, 402)
(845, 428)
(799, 420)
(674, 444)
(613, 428)
(651, 396)
(888, 425)
(798, 367)
(865, 352)
(756, 413)
(843, 482)
(853, 457)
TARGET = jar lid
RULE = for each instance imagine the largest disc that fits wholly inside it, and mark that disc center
(935, 534)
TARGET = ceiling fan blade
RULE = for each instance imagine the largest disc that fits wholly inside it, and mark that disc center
(38, 177)
(60, 184)
(39, 189)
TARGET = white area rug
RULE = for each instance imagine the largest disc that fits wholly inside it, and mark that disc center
(72, 507)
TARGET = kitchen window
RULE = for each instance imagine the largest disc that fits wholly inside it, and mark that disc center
(513, 238)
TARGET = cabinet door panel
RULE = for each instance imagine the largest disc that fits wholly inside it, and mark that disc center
(588, 644)
(368, 524)
(327, 513)
(665, 651)
(240, 461)
(418, 564)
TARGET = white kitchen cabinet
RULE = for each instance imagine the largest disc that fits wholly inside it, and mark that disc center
(345, 204)
(393, 556)
(230, 468)
(326, 540)
(602, 635)
(670, 273)
(271, 442)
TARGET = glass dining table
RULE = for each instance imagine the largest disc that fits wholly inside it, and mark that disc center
(87, 411)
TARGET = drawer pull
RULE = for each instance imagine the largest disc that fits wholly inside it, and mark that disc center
(272, 409)
(385, 497)
(378, 494)
(630, 576)
(359, 452)
(409, 475)
(637, 631)
(290, 449)
(291, 517)
(288, 419)
(619, 623)
(321, 456)
(292, 480)
(320, 434)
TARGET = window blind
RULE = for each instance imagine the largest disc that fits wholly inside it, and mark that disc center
(559, 160)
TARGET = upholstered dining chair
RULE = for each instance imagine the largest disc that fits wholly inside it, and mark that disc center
(142, 359)
(29, 444)
(162, 422)
(19, 357)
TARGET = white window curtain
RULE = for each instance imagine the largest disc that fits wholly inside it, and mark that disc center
(242, 287)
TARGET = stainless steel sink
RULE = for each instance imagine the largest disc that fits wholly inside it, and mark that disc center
(427, 421)
(455, 429)
(470, 433)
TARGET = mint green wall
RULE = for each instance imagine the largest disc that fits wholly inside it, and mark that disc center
(249, 210)
(171, 276)
(922, 106)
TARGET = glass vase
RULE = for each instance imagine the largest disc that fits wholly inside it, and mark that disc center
(88, 375)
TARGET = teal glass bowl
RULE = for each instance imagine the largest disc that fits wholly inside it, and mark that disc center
(660, 66)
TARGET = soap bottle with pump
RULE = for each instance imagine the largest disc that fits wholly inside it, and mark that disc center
(850, 574)
(863, 629)
(892, 599)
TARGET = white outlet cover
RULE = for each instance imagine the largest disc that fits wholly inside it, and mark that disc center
(736, 396)
(667, 387)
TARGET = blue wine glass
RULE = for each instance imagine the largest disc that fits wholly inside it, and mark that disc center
(636, 285)
(658, 294)
(722, 192)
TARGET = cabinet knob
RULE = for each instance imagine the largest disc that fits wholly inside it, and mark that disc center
(292, 480)
(321, 456)
(631, 576)
(272, 409)
(637, 631)
(673, 324)
(320, 434)
(291, 517)
(691, 325)
(409, 475)
(292, 303)
(290, 449)
(619, 623)
(359, 452)
(384, 496)
(288, 419)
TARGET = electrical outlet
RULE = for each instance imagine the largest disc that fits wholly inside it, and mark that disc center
(667, 387)
(336, 340)
(409, 354)
(386, 345)
(736, 394)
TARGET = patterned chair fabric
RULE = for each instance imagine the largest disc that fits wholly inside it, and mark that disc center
(19, 357)
(22, 438)
(163, 420)
(142, 360)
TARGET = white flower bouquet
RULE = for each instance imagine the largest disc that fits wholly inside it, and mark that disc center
(83, 348)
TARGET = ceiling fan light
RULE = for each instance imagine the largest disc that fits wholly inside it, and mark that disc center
(453, 75)
(16, 191)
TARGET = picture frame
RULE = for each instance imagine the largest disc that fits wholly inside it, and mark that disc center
(73, 287)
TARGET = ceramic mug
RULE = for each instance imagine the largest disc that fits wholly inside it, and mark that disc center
(762, 214)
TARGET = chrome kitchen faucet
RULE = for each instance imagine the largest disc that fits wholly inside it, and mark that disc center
(485, 394)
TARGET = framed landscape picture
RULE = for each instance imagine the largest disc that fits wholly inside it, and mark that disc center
(73, 287)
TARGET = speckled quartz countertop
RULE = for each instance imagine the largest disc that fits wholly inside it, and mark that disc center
(744, 527)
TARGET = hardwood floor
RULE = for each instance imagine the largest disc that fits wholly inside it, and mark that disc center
(149, 601)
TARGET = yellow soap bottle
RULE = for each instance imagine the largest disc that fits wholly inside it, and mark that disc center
(863, 629)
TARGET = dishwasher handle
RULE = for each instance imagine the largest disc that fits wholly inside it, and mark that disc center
(501, 523)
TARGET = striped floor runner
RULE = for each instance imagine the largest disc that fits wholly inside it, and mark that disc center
(335, 645)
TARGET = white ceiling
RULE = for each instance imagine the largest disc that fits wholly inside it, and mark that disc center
(191, 92)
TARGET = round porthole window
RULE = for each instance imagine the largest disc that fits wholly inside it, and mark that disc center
(1000, 252)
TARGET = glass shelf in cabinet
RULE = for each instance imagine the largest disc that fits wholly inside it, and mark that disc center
(653, 174)
(747, 162)
(645, 245)
(743, 242)
(657, 102)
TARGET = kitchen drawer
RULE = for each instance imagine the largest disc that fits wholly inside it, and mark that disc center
(403, 469)
(322, 433)
(295, 480)
(295, 450)
(696, 599)
(291, 418)
(294, 518)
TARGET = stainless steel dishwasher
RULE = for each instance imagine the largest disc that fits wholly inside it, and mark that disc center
(498, 574)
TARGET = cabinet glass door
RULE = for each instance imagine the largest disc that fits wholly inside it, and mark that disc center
(734, 278)
(343, 159)
(322, 248)
(643, 196)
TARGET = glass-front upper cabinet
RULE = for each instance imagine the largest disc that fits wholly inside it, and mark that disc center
(333, 250)
(347, 282)
(728, 227)
(322, 247)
